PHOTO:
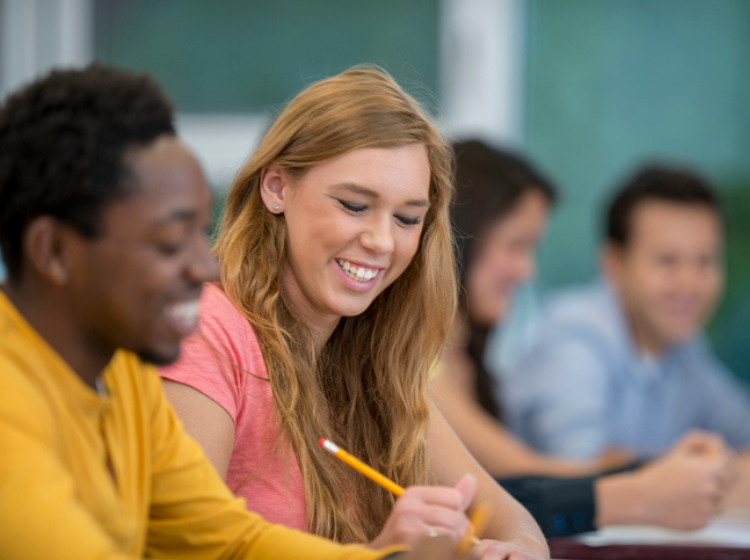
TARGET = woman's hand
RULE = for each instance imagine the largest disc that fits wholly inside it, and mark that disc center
(428, 511)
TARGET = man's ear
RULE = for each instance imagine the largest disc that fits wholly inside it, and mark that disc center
(44, 247)
(611, 256)
(273, 188)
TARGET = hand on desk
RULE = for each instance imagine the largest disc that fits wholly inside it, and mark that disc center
(739, 495)
(711, 446)
(444, 548)
(682, 490)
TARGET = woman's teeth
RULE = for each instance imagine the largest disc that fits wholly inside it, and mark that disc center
(360, 274)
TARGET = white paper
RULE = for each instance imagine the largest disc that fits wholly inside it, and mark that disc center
(731, 529)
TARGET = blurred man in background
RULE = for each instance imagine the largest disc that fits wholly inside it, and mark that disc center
(622, 364)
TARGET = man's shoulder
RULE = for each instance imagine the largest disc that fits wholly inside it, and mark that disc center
(24, 404)
(581, 310)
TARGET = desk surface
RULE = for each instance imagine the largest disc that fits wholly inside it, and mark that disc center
(571, 549)
(726, 538)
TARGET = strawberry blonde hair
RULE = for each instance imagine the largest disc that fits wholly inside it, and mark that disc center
(366, 389)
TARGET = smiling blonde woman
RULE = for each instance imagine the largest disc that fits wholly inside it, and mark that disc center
(337, 292)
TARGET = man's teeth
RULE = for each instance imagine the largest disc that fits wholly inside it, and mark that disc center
(186, 312)
(360, 274)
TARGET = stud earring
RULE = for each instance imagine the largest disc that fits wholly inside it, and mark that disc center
(275, 206)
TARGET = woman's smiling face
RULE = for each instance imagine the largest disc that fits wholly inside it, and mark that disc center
(353, 225)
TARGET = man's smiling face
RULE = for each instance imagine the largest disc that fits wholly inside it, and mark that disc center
(136, 284)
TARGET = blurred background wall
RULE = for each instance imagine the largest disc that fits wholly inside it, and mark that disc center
(587, 88)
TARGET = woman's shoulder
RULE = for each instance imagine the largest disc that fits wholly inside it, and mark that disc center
(215, 304)
(218, 313)
(221, 359)
(225, 331)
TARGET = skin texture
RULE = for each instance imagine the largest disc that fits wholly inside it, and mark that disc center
(685, 488)
(670, 274)
(88, 297)
(361, 207)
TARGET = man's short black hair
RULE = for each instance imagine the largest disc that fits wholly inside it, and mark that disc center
(656, 183)
(62, 142)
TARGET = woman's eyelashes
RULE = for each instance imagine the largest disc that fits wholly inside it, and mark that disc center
(409, 220)
(351, 206)
(357, 208)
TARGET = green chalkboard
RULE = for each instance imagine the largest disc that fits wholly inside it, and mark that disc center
(615, 83)
(251, 56)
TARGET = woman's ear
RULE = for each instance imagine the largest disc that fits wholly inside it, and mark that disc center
(273, 188)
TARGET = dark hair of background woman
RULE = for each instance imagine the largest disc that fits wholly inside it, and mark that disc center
(490, 183)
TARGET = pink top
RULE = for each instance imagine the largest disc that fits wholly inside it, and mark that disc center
(223, 361)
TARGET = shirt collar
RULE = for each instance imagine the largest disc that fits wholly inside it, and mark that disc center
(642, 365)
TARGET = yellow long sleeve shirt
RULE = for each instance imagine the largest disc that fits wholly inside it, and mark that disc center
(84, 476)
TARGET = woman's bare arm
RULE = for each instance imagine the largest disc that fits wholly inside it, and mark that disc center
(510, 523)
(205, 420)
(496, 449)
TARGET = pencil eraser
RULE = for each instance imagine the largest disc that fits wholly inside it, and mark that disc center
(322, 442)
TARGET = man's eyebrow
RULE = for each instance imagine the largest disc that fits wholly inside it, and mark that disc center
(359, 189)
(181, 215)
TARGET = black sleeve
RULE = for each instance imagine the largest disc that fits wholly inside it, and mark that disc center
(561, 506)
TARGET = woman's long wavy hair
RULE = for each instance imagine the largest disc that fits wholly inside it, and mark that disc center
(366, 389)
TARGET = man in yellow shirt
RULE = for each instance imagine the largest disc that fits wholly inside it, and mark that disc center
(103, 214)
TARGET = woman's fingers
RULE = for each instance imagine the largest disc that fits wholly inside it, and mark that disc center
(467, 486)
(428, 511)
(445, 521)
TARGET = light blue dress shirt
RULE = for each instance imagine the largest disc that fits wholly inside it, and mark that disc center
(584, 388)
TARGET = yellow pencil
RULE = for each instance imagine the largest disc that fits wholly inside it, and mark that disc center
(478, 523)
(361, 467)
(378, 478)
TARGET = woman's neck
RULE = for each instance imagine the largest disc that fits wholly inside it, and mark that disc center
(321, 326)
